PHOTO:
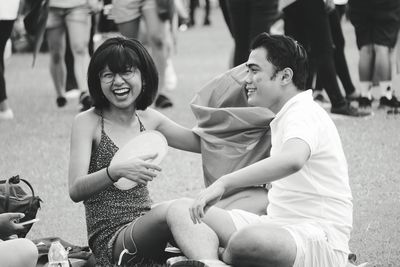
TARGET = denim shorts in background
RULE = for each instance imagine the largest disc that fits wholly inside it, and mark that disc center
(128, 10)
(59, 16)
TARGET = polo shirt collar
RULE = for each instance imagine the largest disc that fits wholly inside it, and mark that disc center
(304, 95)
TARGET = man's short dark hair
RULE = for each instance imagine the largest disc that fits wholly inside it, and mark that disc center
(285, 52)
(120, 53)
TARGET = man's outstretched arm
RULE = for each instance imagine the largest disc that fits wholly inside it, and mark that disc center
(294, 154)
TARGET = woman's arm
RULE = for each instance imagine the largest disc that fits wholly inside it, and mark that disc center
(177, 136)
(81, 184)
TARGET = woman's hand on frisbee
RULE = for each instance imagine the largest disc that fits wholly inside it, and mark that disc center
(138, 169)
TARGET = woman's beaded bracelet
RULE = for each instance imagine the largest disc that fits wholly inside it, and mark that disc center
(109, 176)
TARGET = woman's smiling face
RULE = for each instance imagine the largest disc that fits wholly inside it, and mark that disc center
(123, 88)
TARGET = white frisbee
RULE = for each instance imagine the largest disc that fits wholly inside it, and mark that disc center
(147, 142)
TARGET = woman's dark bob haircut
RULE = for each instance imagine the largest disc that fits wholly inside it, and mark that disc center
(120, 53)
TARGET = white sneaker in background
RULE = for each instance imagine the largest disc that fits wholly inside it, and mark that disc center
(73, 94)
(6, 115)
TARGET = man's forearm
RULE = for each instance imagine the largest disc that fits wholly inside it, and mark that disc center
(262, 172)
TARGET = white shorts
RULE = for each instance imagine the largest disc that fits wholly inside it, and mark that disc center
(313, 249)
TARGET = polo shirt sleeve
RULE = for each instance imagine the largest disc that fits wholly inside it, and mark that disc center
(303, 126)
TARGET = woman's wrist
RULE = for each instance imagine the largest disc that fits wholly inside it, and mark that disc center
(110, 176)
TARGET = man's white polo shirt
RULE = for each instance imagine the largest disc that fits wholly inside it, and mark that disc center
(320, 191)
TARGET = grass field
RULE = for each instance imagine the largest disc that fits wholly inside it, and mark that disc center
(36, 146)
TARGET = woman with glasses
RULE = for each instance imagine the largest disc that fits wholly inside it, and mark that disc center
(122, 227)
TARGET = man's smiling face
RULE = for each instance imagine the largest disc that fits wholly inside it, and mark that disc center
(262, 81)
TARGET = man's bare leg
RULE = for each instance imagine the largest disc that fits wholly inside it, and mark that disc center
(255, 245)
(199, 241)
(261, 245)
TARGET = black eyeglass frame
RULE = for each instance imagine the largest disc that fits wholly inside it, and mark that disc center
(128, 74)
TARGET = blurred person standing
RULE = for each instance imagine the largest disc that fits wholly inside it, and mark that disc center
(73, 16)
(127, 15)
(193, 5)
(376, 24)
(227, 18)
(182, 15)
(8, 14)
(307, 22)
(168, 13)
(248, 18)
(342, 69)
(397, 61)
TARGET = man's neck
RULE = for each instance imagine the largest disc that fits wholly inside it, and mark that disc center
(289, 93)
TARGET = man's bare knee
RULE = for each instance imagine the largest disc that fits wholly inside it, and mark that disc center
(252, 246)
(243, 247)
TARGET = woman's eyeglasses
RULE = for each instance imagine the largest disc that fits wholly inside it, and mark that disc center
(109, 77)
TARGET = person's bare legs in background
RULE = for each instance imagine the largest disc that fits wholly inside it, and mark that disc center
(56, 42)
(376, 27)
(156, 38)
(6, 27)
(79, 34)
(77, 21)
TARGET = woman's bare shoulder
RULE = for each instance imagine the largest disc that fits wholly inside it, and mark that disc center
(149, 113)
(88, 119)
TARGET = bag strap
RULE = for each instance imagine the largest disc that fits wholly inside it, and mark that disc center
(14, 180)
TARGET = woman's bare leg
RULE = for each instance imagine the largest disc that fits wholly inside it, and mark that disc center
(147, 236)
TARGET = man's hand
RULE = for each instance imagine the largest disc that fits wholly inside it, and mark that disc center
(205, 200)
(9, 223)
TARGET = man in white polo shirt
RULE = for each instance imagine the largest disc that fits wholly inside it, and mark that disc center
(309, 216)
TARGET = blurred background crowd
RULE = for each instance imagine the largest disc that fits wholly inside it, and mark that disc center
(70, 31)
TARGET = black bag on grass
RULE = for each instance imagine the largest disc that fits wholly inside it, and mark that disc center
(13, 198)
